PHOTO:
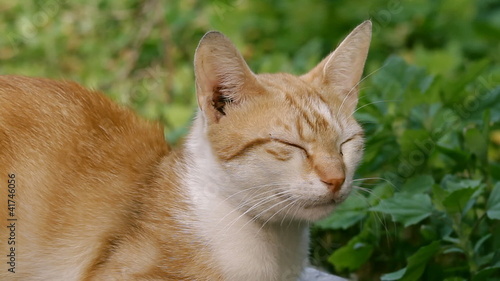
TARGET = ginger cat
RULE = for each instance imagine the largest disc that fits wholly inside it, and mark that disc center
(89, 191)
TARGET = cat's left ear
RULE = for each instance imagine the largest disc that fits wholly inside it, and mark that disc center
(222, 75)
(339, 73)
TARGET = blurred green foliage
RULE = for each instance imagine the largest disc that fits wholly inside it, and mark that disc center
(427, 202)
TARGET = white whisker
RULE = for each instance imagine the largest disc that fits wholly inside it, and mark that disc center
(378, 178)
(359, 188)
(301, 204)
(259, 203)
(264, 211)
(375, 102)
(260, 198)
(292, 201)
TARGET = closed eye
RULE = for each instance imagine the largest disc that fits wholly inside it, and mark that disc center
(291, 144)
(355, 136)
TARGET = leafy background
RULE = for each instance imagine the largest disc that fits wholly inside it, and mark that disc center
(427, 201)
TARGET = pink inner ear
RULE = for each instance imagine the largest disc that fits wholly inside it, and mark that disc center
(221, 76)
(206, 81)
(208, 75)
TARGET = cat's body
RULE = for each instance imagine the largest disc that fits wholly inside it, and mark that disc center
(100, 196)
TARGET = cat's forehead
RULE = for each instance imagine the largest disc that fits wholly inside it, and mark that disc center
(284, 86)
(292, 92)
(300, 109)
(283, 81)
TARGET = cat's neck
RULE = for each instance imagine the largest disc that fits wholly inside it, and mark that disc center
(270, 249)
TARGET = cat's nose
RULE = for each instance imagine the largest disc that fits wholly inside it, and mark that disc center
(331, 172)
(334, 184)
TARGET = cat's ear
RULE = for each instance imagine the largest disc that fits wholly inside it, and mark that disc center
(340, 72)
(221, 75)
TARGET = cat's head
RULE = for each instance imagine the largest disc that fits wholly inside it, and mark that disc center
(286, 146)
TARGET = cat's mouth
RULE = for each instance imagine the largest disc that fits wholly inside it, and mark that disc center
(320, 204)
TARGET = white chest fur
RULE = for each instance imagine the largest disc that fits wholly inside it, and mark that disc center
(245, 251)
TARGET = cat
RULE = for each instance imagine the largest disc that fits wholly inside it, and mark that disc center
(90, 191)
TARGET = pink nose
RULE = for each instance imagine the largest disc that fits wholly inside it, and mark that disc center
(334, 184)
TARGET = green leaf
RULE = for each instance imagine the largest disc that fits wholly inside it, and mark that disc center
(352, 255)
(476, 143)
(408, 209)
(416, 264)
(454, 250)
(396, 275)
(480, 242)
(379, 193)
(461, 158)
(439, 194)
(493, 206)
(428, 232)
(485, 273)
(419, 184)
(452, 183)
(457, 200)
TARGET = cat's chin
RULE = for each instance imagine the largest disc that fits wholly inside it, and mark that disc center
(319, 209)
(307, 213)
(322, 204)
(315, 212)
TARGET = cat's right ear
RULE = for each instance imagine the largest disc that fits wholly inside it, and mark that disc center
(338, 75)
(221, 75)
